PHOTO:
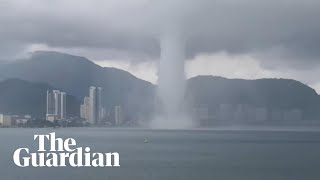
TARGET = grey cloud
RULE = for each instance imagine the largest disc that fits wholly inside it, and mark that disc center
(133, 26)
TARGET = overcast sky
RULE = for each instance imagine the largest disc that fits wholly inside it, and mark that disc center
(232, 38)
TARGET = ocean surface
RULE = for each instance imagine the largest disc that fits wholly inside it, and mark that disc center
(216, 154)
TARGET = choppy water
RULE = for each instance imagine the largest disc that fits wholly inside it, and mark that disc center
(177, 154)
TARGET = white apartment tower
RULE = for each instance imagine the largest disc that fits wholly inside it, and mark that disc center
(56, 105)
(95, 105)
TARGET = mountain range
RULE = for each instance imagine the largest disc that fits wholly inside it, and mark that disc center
(74, 75)
(283, 94)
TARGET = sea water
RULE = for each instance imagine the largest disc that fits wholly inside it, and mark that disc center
(197, 154)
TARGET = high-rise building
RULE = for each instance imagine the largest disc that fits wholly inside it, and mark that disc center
(99, 105)
(56, 105)
(95, 105)
(118, 116)
(62, 109)
(85, 109)
(51, 104)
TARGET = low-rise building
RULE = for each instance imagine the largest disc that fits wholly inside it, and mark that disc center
(52, 117)
(21, 122)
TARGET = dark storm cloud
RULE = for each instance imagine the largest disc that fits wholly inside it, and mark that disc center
(274, 30)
